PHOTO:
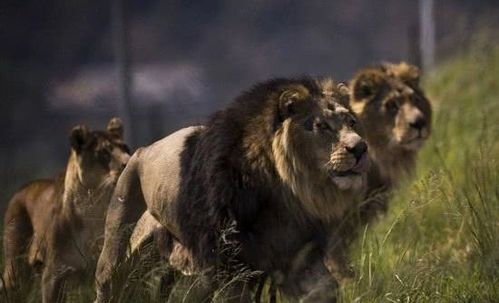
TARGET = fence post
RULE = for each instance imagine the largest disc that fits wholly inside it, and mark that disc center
(122, 61)
(427, 33)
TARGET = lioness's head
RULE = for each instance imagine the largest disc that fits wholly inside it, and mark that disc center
(389, 102)
(100, 156)
(317, 140)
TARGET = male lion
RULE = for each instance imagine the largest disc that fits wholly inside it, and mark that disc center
(56, 223)
(271, 174)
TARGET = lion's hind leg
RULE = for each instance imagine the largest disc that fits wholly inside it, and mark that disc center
(125, 208)
(17, 235)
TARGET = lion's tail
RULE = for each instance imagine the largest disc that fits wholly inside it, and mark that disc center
(17, 234)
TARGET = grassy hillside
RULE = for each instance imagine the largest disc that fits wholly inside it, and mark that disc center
(440, 240)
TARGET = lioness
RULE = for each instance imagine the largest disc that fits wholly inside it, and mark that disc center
(280, 160)
(56, 223)
(389, 101)
(396, 115)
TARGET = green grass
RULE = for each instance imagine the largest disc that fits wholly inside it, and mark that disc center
(440, 240)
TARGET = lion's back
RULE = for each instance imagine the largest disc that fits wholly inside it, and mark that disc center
(159, 168)
(34, 199)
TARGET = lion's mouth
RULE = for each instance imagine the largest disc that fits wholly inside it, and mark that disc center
(413, 140)
(414, 143)
(360, 167)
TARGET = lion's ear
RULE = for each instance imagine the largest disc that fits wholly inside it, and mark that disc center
(344, 92)
(366, 85)
(410, 73)
(115, 127)
(406, 72)
(79, 137)
(290, 101)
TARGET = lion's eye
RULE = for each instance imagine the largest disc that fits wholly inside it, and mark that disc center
(309, 124)
(321, 125)
(125, 148)
(393, 106)
(415, 98)
(104, 154)
(351, 121)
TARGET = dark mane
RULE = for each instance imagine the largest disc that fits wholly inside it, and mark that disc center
(219, 186)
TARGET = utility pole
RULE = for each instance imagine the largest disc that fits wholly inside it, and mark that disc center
(122, 61)
(414, 51)
(427, 33)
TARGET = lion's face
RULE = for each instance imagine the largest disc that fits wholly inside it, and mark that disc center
(391, 105)
(321, 136)
(100, 155)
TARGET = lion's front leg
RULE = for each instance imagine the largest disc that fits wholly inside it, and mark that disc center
(313, 284)
(318, 285)
(53, 279)
(321, 290)
(337, 261)
(339, 266)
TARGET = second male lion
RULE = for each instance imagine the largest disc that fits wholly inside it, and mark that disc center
(396, 115)
(392, 106)
(55, 223)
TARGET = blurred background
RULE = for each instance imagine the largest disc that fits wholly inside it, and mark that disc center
(58, 61)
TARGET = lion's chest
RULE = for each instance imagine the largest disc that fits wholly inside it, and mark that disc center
(277, 240)
(90, 213)
(87, 240)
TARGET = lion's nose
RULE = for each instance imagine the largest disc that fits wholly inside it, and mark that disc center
(419, 123)
(358, 149)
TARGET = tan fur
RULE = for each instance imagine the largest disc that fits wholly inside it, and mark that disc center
(388, 102)
(292, 158)
(59, 222)
(143, 230)
(389, 136)
(309, 186)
